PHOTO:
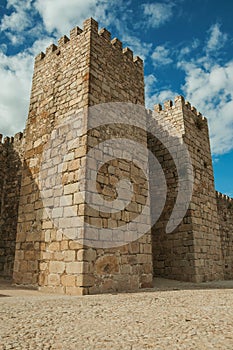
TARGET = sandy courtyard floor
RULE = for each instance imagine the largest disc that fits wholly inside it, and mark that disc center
(173, 315)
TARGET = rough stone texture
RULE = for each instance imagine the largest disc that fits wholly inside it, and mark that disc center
(10, 179)
(225, 213)
(193, 251)
(83, 71)
(80, 72)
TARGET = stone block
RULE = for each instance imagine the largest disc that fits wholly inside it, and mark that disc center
(56, 267)
(74, 267)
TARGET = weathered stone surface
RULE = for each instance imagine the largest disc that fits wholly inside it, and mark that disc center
(83, 71)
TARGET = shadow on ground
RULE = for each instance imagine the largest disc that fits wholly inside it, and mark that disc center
(7, 289)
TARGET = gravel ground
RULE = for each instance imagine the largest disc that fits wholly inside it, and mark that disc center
(172, 316)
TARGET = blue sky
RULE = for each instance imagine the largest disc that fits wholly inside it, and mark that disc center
(187, 47)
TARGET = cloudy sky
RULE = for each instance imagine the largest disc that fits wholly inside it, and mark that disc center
(187, 47)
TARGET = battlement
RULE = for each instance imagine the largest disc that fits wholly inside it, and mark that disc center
(224, 197)
(6, 140)
(180, 103)
(89, 25)
(10, 140)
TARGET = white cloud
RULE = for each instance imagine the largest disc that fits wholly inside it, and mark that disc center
(15, 21)
(159, 96)
(61, 16)
(58, 18)
(209, 87)
(211, 92)
(138, 47)
(107, 12)
(18, 3)
(187, 49)
(19, 20)
(150, 80)
(153, 95)
(15, 77)
(216, 39)
(157, 14)
(41, 45)
(160, 56)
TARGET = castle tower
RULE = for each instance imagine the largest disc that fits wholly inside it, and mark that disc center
(87, 69)
(192, 252)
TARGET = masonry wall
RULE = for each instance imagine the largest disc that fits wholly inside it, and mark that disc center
(192, 251)
(55, 253)
(10, 175)
(59, 89)
(173, 253)
(83, 70)
(3, 157)
(116, 76)
(225, 214)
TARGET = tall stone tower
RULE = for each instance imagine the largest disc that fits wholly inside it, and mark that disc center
(192, 252)
(87, 69)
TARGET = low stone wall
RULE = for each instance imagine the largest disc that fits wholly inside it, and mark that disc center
(10, 179)
(225, 213)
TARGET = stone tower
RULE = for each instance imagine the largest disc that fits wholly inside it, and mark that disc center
(192, 252)
(87, 69)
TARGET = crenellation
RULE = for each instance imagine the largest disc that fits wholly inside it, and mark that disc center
(194, 110)
(223, 196)
(116, 43)
(168, 104)
(90, 25)
(50, 49)
(188, 104)
(128, 53)
(158, 107)
(75, 32)
(18, 136)
(138, 61)
(39, 57)
(104, 33)
(179, 101)
(63, 40)
(6, 140)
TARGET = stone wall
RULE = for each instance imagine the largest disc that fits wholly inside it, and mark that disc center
(116, 76)
(193, 251)
(10, 180)
(82, 71)
(59, 89)
(3, 157)
(225, 214)
(63, 244)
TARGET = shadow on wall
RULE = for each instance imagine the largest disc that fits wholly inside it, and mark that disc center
(10, 183)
